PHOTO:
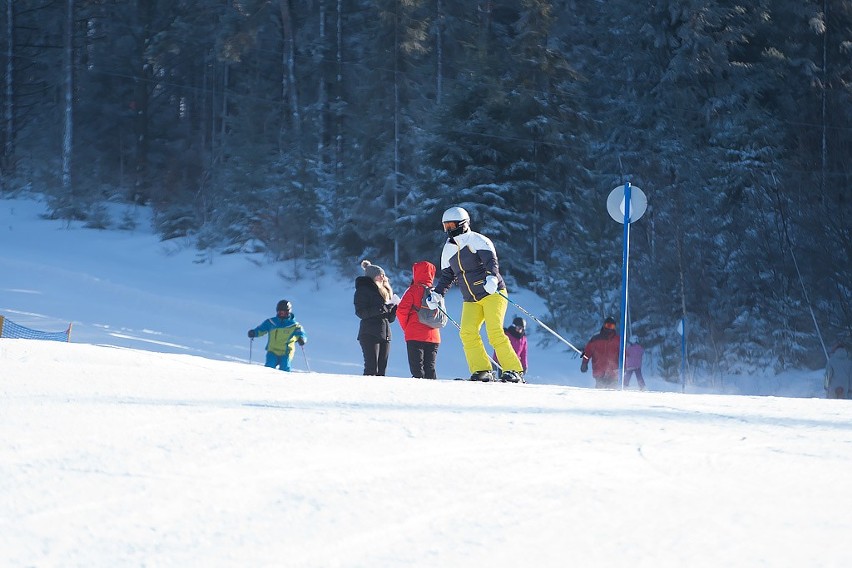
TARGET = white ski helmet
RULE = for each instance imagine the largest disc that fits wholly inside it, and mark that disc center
(456, 221)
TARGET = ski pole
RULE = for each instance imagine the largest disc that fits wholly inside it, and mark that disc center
(305, 354)
(449, 317)
(565, 341)
(251, 344)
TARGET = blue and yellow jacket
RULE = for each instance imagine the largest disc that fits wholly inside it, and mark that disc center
(283, 333)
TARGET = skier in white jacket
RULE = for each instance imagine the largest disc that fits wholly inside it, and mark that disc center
(469, 259)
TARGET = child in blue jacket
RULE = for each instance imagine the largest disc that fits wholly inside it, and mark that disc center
(284, 331)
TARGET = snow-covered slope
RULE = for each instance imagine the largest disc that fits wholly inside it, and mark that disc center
(120, 457)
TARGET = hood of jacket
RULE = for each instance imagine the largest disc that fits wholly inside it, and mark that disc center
(366, 282)
(423, 272)
(286, 321)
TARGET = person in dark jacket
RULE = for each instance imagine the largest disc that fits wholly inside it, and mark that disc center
(602, 350)
(470, 260)
(284, 332)
(421, 341)
(375, 305)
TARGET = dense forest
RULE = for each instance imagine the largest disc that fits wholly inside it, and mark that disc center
(327, 131)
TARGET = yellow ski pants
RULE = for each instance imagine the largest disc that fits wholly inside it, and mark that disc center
(489, 310)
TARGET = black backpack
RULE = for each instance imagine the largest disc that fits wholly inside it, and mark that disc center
(436, 318)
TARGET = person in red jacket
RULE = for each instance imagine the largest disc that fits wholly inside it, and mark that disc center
(602, 350)
(421, 340)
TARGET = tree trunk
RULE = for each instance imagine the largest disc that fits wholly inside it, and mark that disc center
(396, 130)
(289, 90)
(439, 52)
(323, 95)
(68, 134)
(8, 158)
(143, 80)
(338, 107)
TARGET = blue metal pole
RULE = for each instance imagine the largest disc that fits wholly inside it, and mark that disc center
(625, 255)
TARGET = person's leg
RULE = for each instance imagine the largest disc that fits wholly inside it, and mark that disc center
(474, 350)
(271, 359)
(415, 358)
(430, 359)
(287, 360)
(627, 373)
(494, 311)
(370, 349)
(383, 354)
(609, 380)
(640, 379)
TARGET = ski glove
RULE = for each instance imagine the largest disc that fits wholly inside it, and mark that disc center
(434, 300)
(584, 366)
(300, 341)
(491, 283)
(252, 333)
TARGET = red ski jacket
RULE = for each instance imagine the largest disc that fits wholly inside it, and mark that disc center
(424, 275)
(602, 349)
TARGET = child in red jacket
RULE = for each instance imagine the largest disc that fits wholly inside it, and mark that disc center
(421, 340)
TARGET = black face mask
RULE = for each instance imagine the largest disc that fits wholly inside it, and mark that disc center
(455, 228)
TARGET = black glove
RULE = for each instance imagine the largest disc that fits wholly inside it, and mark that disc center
(300, 341)
(252, 333)
(584, 366)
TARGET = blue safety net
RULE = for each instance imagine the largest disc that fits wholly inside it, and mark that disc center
(13, 330)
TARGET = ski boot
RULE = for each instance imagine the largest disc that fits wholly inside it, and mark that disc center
(484, 376)
(512, 377)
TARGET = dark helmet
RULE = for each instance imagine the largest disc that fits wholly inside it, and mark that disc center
(519, 322)
(456, 221)
(609, 323)
(284, 306)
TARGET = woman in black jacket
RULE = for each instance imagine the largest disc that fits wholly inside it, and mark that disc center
(375, 304)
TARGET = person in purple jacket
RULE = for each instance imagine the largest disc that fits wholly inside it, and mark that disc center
(633, 362)
(518, 338)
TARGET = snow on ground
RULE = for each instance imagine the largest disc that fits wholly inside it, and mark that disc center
(150, 441)
(117, 457)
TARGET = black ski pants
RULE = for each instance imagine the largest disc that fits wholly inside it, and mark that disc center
(376, 354)
(422, 356)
